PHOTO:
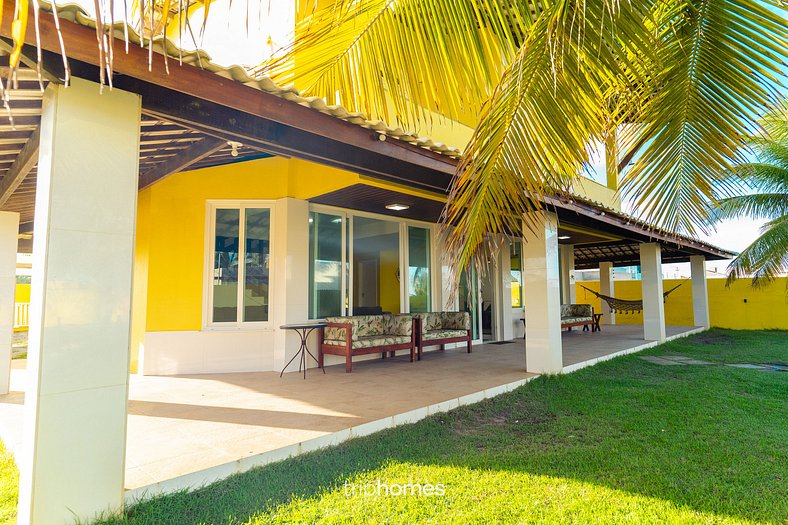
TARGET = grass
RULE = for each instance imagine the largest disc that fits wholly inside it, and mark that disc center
(9, 486)
(623, 441)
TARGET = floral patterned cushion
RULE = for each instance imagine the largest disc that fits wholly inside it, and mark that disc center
(334, 333)
(456, 320)
(433, 321)
(369, 326)
(363, 326)
(372, 341)
(576, 310)
(570, 320)
(401, 324)
(444, 334)
(430, 321)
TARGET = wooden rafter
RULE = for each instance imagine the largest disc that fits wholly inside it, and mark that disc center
(25, 161)
(181, 161)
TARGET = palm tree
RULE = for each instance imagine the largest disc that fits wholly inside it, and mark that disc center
(766, 179)
(680, 81)
(676, 83)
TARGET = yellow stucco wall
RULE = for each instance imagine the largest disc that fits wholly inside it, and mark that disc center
(171, 230)
(764, 307)
(22, 293)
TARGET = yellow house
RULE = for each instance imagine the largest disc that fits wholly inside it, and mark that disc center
(181, 219)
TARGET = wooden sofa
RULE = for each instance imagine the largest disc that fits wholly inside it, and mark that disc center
(366, 334)
(440, 328)
(577, 315)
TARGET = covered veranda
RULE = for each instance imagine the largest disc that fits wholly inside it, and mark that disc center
(71, 171)
(185, 431)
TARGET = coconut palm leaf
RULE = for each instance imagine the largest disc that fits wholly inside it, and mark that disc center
(404, 60)
(755, 206)
(765, 258)
(532, 136)
(723, 60)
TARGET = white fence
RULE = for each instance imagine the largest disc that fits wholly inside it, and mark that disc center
(21, 315)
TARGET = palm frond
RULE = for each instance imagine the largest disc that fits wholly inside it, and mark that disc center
(403, 60)
(531, 139)
(766, 257)
(723, 61)
(754, 206)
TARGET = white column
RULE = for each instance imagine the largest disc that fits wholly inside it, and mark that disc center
(607, 287)
(504, 284)
(653, 302)
(72, 463)
(9, 235)
(700, 291)
(290, 301)
(567, 254)
(542, 297)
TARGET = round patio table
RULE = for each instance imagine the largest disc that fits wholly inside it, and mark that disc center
(303, 330)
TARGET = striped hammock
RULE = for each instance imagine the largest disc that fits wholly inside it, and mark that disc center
(621, 306)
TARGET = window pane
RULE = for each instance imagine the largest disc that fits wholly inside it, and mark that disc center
(469, 298)
(419, 269)
(257, 231)
(325, 265)
(376, 266)
(517, 274)
(225, 267)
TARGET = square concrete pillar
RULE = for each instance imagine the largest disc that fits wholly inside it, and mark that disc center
(290, 293)
(72, 462)
(567, 254)
(9, 235)
(653, 301)
(542, 297)
(700, 291)
(607, 287)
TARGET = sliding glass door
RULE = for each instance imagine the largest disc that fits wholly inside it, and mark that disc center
(356, 264)
(419, 283)
(326, 262)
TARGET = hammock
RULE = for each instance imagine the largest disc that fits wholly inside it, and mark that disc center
(621, 306)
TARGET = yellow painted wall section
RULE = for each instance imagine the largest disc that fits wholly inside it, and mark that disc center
(22, 293)
(764, 308)
(389, 285)
(172, 221)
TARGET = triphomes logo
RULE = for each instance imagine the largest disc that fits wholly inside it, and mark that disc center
(379, 488)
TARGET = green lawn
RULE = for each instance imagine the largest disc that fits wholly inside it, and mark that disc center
(624, 441)
(9, 484)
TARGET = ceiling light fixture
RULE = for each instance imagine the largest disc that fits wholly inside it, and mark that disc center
(564, 237)
(234, 147)
(397, 207)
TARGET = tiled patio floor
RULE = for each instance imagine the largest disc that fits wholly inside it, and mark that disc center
(179, 426)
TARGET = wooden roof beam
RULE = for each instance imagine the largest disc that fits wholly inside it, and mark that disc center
(25, 161)
(181, 161)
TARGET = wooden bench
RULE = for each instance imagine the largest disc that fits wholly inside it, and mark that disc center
(366, 334)
(440, 328)
(577, 315)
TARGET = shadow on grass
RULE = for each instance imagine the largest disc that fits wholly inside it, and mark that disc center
(708, 438)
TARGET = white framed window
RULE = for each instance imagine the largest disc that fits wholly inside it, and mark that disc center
(238, 261)
(357, 260)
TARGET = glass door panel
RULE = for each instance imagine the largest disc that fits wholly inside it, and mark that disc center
(257, 230)
(469, 299)
(375, 266)
(225, 266)
(418, 269)
(326, 283)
